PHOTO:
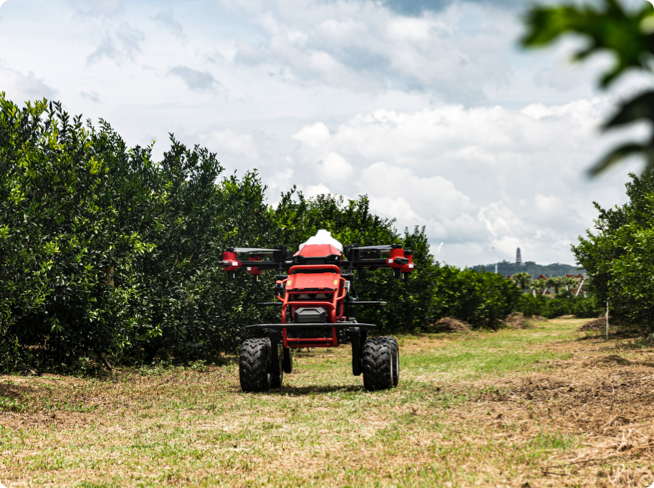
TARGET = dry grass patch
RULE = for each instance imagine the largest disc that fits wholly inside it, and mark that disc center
(519, 321)
(448, 324)
(537, 407)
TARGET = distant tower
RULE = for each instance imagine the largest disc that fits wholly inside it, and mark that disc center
(518, 257)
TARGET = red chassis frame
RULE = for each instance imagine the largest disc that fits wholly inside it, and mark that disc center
(319, 269)
(320, 282)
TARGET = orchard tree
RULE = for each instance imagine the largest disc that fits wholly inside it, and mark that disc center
(619, 257)
(69, 194)
(523, 280)
(556, 282)
(571, 284)
(539, 286)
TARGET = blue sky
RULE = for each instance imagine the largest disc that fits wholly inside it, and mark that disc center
(430, 108)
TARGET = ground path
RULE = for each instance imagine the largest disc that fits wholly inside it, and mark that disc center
(546, 406)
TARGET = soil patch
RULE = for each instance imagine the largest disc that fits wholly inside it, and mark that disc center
(604, 399)
(595, 324)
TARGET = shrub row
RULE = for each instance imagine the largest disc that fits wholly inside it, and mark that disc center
(582, 307)
(108, 255)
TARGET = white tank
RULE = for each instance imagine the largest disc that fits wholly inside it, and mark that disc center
(323, 237)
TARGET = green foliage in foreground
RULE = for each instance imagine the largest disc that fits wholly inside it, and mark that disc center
(107, 254)
(607, 26)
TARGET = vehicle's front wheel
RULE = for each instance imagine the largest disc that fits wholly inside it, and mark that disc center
(378, 364)
(254, 365)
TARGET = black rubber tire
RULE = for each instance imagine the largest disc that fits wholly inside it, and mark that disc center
(396, 360)
(288, 361)
(254, 365)
(377, 364)
(276, 381)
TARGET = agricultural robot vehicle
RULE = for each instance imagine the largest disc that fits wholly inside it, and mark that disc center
(318, 302)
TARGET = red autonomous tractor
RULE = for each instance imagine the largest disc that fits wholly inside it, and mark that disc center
(316, 293)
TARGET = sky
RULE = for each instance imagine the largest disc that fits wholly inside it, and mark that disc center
(430, 108)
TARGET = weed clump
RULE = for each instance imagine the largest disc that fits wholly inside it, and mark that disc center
(518, 321)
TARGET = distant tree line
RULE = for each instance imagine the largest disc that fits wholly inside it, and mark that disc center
(506, 268)
(565, 297)
(109, 256)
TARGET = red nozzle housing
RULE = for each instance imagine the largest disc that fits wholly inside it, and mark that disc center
(230, 261)
(397, 259)
(407, 268)
(254, 271)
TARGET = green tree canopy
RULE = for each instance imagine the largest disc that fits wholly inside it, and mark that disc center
(67, 197)
(557, 283)
(539, 286)
(619, 257)
(523, 280)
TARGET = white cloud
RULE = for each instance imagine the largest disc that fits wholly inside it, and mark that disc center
(334, 167)
(363, 46)
(230, 141)
(432, 112)
(418, 7)
(166, 18)
(29, 86)
(98, 8)
(315, 190)
(549, 207)
(518, 173)
(125, 47)
(428, 196)
(314, 136)
(91, 96)
(106, 49)
(195, 80)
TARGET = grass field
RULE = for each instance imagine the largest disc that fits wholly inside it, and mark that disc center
(546, 406)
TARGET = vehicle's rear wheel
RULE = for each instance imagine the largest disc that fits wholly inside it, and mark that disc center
(254, 365)
(378, 364)
(396, 360)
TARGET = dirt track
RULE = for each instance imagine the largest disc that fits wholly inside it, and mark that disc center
(603, 394)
